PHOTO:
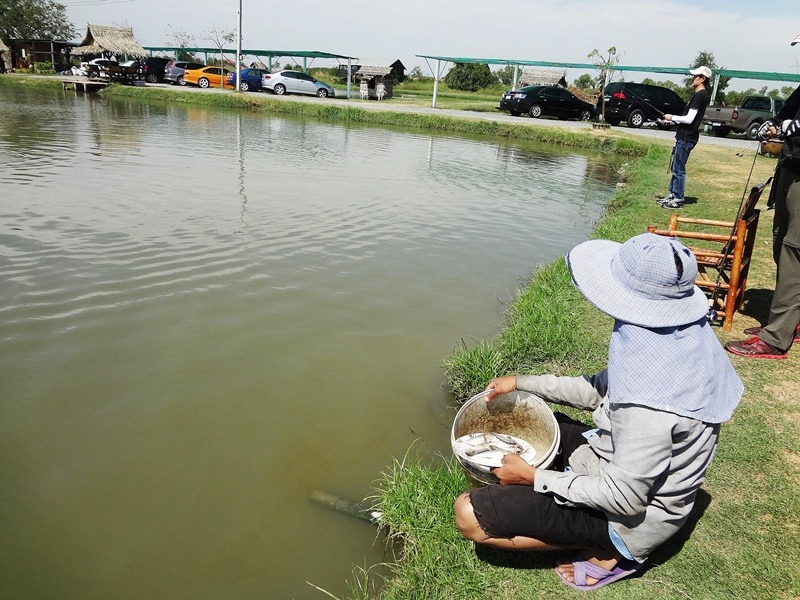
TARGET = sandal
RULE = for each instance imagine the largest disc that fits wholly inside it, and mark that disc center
(584, 568)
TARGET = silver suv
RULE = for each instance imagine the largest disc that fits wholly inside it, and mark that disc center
(174, 70)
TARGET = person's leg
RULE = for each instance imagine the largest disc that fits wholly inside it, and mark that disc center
(516, 517)
(678, 184)
(784, 312)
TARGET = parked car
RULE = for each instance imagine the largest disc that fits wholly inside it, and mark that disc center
(637, 103)
(174, 70)
(745, 118)
(153, 68)
(249, 79)
(97, 67)
(206, 77)
(540, 100)
(296, 82)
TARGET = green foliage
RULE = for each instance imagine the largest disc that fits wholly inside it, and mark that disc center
(43, 66)
(35, 19)
(506, 75)
(416, 73)
(605, 64)
(704, 57)
(470, 77)
(585, 82)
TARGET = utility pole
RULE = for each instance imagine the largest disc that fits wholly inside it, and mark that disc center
(239, 48)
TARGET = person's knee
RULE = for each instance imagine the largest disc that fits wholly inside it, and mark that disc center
(466, 521)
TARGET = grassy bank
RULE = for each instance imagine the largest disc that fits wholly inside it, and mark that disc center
(741, 541)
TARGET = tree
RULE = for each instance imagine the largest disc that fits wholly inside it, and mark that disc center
(469, 77)
(181, 39)
(585, 82)
(506, 75)
(416, 73)
(605, 65)
(220, 37)
(35, 19)
(706, 58)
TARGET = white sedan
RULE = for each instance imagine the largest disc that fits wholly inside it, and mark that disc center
(295, 82)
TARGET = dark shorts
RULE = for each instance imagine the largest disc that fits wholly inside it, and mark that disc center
(506, 511)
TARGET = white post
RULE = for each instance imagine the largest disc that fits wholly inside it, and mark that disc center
(716, 86)
(349, 75)
(516, 77)
(436, 83)
(239, 48)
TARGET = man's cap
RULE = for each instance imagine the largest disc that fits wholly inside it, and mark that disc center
(796, 40)
(647, 281)
(704, 71)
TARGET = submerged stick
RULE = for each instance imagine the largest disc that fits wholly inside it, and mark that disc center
(348, 507)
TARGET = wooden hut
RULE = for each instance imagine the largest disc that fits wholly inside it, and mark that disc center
(378, 76)
(531, 76)
(110, 41)
(5, 57)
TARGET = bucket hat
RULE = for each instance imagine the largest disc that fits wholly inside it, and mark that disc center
(647, 281)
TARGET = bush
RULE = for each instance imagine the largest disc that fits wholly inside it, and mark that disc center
(470, 77)
(44, 66)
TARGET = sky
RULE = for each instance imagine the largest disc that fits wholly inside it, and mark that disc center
(669, 33)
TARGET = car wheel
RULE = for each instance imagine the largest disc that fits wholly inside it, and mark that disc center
(585, 115)
(279, 89)
(152, 78)
(244, 86)
(202, 82)
(721, 131)
(535, 111)
(322, 93)
(180, 80)
(635, 119)
(752, 131)
(514, 113)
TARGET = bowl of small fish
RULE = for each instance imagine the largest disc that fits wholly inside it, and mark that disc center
(515, 423)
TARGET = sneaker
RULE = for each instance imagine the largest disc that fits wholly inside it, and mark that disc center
(672, 203)
(667, 199)
(754, 347)
(757, 330)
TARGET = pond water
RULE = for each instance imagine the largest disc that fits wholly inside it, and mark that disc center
(206, 315)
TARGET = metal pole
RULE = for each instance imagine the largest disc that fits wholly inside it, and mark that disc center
(239, 48)
(436, 82)
(716, 86)
(516, 77)
(349, 74)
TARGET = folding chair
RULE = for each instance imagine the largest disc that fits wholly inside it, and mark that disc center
(722, 271)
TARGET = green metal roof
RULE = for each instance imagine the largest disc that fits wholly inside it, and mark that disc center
(763, 75)
(212, 50)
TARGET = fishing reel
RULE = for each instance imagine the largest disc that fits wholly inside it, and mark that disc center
(663, 123)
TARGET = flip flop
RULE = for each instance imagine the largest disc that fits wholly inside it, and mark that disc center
(584, 568)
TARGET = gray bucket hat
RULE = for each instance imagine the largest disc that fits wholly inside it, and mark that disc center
(647, 281)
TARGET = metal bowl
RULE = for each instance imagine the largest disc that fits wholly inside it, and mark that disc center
(519, 414)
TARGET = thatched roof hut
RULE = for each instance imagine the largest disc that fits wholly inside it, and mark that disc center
(530, 76)
(381, 67)
(110, 40)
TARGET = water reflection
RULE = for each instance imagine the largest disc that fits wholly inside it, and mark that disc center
(206, 315)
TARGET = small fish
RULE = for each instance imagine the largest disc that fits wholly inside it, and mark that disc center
(488, 449)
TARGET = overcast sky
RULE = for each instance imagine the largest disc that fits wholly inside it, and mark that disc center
(740, 33)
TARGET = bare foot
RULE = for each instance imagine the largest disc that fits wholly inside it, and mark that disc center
(606, 560)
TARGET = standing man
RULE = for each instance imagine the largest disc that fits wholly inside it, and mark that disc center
(686, 137)
(775, 339)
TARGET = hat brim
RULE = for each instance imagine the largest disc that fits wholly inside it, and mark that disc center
(590, 266)
(795, 40)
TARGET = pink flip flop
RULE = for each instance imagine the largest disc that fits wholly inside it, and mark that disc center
(584, 569)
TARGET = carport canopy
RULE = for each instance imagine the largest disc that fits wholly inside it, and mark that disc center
(258, 53)
(516, 63)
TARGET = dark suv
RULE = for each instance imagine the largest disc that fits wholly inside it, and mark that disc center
(636, 103)
(153, 68)
(173, 71)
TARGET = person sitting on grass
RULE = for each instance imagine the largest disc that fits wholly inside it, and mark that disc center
(628, 484)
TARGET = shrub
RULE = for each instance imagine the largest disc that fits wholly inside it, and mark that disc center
(470, 77)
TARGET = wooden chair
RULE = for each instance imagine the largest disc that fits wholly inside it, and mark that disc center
(722, 270)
